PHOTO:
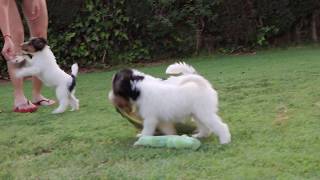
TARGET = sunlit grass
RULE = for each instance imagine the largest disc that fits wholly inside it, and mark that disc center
(270, 100)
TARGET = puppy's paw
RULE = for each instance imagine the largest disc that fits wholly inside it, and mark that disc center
(196, 135)
(57, 111)
(18, 59)
(75, 108)
(200, 135)
(225, 139)
(225, 136)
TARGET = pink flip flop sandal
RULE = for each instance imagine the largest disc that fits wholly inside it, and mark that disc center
(25, 110)
(44, 102)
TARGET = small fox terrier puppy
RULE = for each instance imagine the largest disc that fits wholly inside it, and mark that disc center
(41, 62)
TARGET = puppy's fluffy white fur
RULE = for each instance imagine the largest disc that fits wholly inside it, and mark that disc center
(44, 66)
(162, 102)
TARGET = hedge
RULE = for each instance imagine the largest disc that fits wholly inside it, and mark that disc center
(101, 33)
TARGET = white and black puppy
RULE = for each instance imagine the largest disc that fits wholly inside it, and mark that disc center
(41, 62)
(173, 100)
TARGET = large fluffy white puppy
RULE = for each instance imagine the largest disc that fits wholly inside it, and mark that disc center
(41, 62)
(173, 100)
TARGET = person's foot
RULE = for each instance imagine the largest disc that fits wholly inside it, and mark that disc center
(42, 101)
(25, 107)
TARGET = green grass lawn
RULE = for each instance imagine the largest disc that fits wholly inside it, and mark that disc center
(271, 102)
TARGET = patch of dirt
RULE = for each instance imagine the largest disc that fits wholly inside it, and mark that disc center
(281, 116)
(42, 151)
(4, 80)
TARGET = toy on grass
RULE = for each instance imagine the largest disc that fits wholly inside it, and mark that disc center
(169, 141)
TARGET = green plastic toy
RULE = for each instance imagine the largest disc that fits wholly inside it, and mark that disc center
(169, 141)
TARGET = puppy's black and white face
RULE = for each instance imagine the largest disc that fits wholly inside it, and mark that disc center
(35, 44)
(123, 84)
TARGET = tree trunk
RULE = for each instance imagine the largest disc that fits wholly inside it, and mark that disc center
(314, 26)
(298, 31)
(199, 30)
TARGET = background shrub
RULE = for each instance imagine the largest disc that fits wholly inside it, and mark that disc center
(102, 33)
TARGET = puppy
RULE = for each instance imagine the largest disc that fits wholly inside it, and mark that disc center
(173, 70)
(163, 102)
(41, 62)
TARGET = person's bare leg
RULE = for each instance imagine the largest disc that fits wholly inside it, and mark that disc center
(17, 34)
(38, 26)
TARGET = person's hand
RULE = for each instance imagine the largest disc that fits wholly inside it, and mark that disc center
(35, 9)
(8, 50)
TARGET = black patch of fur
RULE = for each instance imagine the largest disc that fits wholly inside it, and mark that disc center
(38, 43)
(29, 55)
(73, 83)
(122, 84)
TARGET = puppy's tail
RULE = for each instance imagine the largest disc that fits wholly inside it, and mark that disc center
(200, 81)
(74, 72)
(74, 69)
(180, 68)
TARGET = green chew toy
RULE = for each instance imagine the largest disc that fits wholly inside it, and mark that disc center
(170, 141)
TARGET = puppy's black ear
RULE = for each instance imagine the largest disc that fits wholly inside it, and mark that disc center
(137, 78)
(135, 93)
(123, 84)
(39, 43)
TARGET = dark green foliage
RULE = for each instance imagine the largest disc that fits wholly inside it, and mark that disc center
(109, 32)
(235, 24)
(99, 38)
(102, 33)
(62, 12)
(3, 66)
(264, 33)
(275, 13)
